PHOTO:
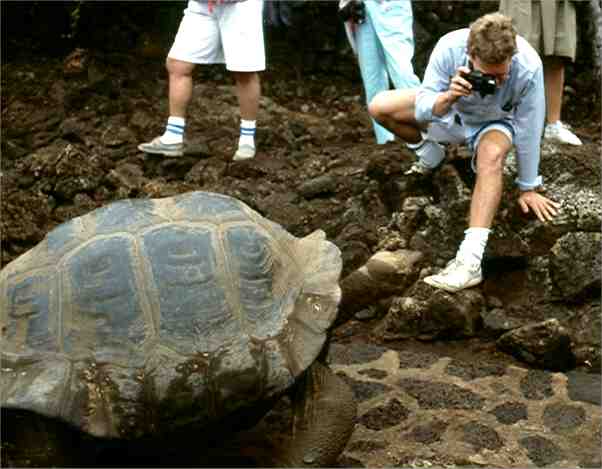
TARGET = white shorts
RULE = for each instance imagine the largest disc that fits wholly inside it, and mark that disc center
(232, 34)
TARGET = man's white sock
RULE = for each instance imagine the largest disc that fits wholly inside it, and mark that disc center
(247, 133)
(473, 246)
(174, 130)
(429, 153)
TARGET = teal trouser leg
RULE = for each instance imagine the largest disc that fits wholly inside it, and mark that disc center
(373, 69)
(393, 22)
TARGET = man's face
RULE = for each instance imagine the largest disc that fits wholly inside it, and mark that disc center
(499, 71)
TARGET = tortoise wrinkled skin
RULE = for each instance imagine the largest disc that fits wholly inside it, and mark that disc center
(147, 315)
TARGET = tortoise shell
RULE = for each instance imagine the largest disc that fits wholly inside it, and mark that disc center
(147, 315)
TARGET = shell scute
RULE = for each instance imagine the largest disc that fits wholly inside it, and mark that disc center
(32, 323)
(191, 290)
(62, 238)
(207, 206)
(256, 263)
(125, 215)
(103, 308)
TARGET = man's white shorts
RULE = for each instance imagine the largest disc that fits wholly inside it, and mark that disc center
(232, 33)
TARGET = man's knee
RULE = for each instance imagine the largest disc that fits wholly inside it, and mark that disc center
(490, 159)
(394, 105)
(377, 107)
(492, 151)
(246, 78)
(178, 67)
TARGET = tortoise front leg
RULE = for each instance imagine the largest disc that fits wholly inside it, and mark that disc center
(324, 411)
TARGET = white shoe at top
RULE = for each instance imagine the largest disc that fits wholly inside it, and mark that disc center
(561, 133)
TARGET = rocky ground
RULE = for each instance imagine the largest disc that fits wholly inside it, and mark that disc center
(428, 395)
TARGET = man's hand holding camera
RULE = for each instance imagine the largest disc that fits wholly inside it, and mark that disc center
(468, 80)
(459, 86)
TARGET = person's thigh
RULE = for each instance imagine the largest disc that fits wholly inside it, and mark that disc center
(197, 40)
(241, 27)
(396, 104)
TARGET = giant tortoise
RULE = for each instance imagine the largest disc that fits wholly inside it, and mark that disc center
(147, 316)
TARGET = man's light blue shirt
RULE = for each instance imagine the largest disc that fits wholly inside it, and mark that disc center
(519, 101)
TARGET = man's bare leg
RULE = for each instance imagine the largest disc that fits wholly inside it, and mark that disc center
(554, 83)
(171, 143)
(394, 110)
(465, 270)
(492, 150)
(248, 91)
(180, 86)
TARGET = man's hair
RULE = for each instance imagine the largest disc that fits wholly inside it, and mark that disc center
(492, 38)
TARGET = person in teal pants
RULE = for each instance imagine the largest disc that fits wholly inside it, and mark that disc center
(383, 39)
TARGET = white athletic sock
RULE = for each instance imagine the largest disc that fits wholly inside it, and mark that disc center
(472, 248)
(247, 133)
(430, 153)
(174, 130)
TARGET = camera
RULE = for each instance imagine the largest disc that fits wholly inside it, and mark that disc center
(483, 83)
(354, 11)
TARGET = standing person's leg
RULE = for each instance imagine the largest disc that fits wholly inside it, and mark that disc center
(372, 68)
(559, 26)
(555, 129)
(492, 146)
(393, 22)
(554, 83)
(248, 91)
(180, 86)
(197, 42)
(241, 26)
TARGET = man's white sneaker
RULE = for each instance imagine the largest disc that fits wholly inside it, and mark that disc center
(456, 276)
(429, 156)
(420, 168)
(560, 132)
(244, 152)
(157, 147)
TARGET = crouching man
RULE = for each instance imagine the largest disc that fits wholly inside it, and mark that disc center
(483, 86)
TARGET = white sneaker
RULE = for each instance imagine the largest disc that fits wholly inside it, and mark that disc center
(456, 276)
(560, 132)
(157, 147)
(420, 168)
(244, 152)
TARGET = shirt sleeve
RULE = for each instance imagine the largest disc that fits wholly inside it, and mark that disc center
(528, 123)
(436, 80)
